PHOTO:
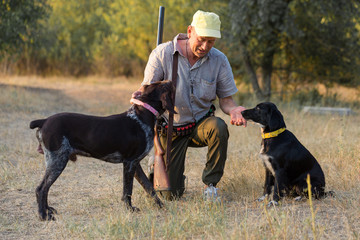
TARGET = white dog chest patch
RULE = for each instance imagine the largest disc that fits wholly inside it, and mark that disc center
(266, 160)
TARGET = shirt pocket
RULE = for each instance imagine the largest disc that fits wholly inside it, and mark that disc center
(207, 90)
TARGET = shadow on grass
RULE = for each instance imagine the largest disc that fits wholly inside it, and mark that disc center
(43, 101)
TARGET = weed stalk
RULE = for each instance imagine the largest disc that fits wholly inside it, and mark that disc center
(311, 206)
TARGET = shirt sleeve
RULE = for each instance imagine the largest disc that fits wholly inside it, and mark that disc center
(154, 69)
(226, 84)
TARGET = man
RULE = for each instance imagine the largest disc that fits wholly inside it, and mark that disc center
(203, 73)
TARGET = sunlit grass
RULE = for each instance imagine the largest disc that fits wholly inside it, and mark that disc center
(88, 193)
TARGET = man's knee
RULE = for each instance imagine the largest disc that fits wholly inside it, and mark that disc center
(218, 128)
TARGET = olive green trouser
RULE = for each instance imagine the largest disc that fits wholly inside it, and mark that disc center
(211, 132)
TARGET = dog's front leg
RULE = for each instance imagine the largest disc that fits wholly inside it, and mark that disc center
(279, 186)
(128, 185)
(146, 184)
(269, 183)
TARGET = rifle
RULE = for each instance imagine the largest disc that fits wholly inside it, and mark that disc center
(161, 178)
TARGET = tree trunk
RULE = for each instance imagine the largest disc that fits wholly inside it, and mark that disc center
(252, 74)
(267, 68)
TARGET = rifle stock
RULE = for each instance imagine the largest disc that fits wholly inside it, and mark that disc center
(161, 178)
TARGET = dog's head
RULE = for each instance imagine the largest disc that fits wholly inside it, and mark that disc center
(159, 95)
(267, 115)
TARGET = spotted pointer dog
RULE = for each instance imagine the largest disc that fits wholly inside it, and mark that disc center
(123, 138)
(286, 160)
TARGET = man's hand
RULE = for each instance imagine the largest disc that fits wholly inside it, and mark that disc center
(236, 116)
(137, 93)
(229, 107)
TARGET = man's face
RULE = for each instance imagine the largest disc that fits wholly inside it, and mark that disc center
(200, 46)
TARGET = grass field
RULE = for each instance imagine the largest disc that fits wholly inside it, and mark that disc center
(87, 194)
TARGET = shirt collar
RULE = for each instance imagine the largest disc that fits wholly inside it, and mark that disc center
(180, 36)
(183, 36)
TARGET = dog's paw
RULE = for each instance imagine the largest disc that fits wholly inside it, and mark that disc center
(134, 209)
(331, 194)
(298, 198)
(51, 210)
(262, 198)
(159, 203)
(48, 214)
(51, 217)
(272, 203)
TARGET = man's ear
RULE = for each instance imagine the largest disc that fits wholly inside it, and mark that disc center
(189, 31)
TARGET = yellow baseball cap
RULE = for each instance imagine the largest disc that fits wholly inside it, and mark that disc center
(207, 24)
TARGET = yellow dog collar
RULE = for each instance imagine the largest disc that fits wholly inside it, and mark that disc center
(272, 134)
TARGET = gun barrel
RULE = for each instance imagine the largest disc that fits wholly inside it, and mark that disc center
(160, 25)
(161, 179)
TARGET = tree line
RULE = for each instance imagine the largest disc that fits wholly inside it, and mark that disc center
(289, 41)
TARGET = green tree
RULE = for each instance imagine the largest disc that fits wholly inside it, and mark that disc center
(73, 31)
(133, 25)
(299, 40)
(19, 25)
(105, 36)
(257, 27)
(322, 41)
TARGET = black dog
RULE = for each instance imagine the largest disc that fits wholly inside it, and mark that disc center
(286, 160)
(124, 138)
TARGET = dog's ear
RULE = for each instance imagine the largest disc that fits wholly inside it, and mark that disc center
(168, 89)
(147, 90)
(275, 119)
(167, 102)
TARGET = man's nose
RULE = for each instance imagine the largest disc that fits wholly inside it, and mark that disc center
(205, 45)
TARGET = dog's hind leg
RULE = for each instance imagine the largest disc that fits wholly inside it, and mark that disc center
(146, 184)
(56, 163)
(317, 179)
(129, 173)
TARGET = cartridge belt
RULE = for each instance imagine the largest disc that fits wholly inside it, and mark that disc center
(185, 129)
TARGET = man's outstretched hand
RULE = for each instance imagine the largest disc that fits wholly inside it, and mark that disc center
(236, 117)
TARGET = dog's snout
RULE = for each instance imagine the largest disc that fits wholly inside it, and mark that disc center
(245, 114)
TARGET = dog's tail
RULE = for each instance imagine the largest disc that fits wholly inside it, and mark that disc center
(37, 123)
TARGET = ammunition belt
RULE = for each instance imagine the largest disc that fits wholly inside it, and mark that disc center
(182, 130)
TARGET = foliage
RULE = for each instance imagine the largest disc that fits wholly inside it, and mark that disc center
(287, 41)
(298, 40)
(19, 22)
(322, 40)
(257, 28)
(74, 29)
(19, 27)
(107, 37)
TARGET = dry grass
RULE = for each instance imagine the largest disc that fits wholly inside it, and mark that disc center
(87, 194)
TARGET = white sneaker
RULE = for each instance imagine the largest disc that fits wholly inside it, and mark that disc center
(211, 194)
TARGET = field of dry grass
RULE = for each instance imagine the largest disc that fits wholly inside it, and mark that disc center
(87, 195)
